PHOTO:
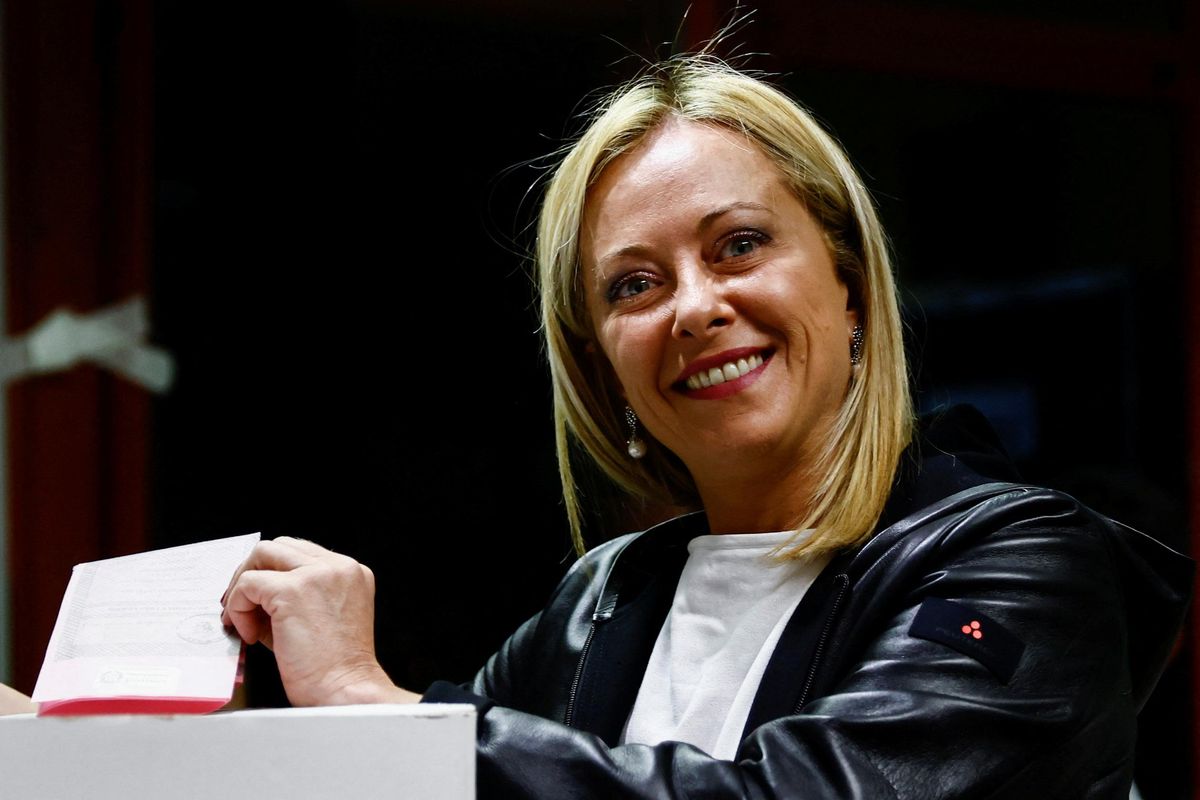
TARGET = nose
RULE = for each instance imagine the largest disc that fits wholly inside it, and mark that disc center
(700, 304)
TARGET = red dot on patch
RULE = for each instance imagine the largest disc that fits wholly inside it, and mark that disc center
(975, 624)
(966, 628)
(978, 634)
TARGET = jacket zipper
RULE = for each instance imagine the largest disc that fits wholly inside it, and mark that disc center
(587, 643)
(843, 582)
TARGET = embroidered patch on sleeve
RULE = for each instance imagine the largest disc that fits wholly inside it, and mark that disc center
(970, 633)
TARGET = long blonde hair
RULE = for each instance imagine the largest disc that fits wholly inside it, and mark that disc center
(875, 422)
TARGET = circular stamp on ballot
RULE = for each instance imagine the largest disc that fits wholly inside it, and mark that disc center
(201, 629)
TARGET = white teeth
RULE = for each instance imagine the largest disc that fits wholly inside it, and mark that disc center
(726, 372)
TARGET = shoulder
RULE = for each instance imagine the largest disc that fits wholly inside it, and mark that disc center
(594, 566)
(1037, 560)
(1006, 544)
(973, 515)
(647, 550)
(603, 555)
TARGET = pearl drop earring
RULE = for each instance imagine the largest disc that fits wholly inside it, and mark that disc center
(634, 444)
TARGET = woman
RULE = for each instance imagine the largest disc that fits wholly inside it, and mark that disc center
(854, 609)
(13, 702)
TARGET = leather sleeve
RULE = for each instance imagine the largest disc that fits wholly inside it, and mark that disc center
(935, 721)
(894, 715)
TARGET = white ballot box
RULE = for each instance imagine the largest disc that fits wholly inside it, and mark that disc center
(377, 751)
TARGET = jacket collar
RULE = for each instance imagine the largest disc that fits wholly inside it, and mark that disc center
(955, 450)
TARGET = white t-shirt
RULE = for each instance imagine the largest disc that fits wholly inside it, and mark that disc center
(732, 603)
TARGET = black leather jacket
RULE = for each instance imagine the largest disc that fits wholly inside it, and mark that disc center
(879, 686)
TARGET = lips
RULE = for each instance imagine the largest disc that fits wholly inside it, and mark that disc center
(724, 367)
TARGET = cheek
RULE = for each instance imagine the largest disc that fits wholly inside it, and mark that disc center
(615, 348)
(810, 316)
(628, 360)
(630, 348)
(819, 299)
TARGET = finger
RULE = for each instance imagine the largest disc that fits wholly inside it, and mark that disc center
(303, 545)
(237, 573)
(258, 588)
(320, 556)
(269, 555)
(251, 602)
(250, 621)
(280, 555)
(251, 626)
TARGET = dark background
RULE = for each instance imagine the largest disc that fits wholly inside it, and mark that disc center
(342, 195)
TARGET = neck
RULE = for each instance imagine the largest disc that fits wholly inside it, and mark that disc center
(758, 500)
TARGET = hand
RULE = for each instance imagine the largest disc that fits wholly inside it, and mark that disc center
(316, 610)
(13, 702)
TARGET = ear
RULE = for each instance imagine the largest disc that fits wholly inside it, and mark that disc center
(853, 317)
(851, 287)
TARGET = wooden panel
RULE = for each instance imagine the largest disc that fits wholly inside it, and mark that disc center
(78, 125)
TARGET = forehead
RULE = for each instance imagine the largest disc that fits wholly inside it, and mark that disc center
(680, 166)
(685, 151)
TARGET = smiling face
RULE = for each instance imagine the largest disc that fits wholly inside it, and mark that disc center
(714, 298)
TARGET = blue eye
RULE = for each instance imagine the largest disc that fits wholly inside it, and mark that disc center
(629, 286)
(741, 244)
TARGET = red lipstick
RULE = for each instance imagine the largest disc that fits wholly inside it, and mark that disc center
(729, 387)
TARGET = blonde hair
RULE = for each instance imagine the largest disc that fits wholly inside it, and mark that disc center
(875, 422)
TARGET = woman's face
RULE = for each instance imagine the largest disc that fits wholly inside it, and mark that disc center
(715, 300)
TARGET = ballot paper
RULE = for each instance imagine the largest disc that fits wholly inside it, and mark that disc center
(143, 634)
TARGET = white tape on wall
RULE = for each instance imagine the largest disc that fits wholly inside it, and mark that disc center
(113, 337)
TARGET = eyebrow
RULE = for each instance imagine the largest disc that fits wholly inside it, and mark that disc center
(705, 222)
(742, 205)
